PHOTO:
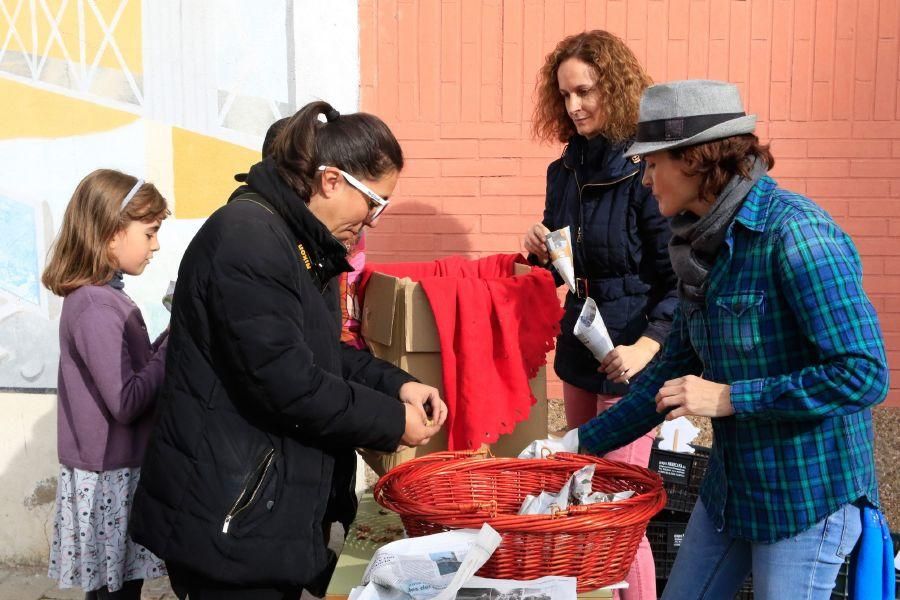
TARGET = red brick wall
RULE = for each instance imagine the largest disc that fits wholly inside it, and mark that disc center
(455, 80)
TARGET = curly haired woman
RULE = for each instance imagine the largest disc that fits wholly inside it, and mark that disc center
(589, 92)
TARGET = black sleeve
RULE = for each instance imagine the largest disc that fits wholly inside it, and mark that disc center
(656, 268)
(360, 366)
(257, 313)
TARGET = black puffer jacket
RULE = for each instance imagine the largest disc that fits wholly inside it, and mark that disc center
(622, 251)
(262, 406)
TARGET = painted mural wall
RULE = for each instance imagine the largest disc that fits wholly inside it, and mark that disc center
(178, 92)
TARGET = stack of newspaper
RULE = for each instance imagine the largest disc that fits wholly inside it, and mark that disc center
(441, 567)
(576, 491)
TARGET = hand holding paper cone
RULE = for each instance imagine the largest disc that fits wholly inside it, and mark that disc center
(591, 330)
(535, 243)
(559, 245)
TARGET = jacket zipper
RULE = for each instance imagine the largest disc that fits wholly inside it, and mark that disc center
(579, 235)
(237, 508)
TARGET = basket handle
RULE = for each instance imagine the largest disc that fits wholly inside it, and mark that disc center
(475, 507)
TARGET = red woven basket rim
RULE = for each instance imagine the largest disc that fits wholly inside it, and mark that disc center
(579, 519)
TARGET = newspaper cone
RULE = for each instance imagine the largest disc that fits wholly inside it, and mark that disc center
(591, 330)
(559, 244)
(167, 297)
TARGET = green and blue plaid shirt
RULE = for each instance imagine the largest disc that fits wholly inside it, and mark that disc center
(787, 324)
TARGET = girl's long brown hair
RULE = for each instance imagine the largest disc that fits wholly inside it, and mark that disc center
(80, 253)
(620, 82)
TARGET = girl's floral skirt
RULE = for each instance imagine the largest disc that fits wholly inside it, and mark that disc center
(90, 547)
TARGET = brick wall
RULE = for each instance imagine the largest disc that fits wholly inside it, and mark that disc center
(455, 80)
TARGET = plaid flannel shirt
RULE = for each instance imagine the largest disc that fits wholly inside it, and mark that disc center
(787, 325)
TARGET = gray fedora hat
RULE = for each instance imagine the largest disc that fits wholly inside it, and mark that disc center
(689, 112)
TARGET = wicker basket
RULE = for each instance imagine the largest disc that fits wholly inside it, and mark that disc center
(595, 543)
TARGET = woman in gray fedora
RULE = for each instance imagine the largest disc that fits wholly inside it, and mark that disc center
(774, 339)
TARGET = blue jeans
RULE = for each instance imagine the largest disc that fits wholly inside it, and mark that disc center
(711, 565)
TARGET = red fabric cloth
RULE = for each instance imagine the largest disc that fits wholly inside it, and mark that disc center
(495, 330)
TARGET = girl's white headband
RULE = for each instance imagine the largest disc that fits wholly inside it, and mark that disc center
(131, 194)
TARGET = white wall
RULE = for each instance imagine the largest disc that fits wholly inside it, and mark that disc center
(28, 469)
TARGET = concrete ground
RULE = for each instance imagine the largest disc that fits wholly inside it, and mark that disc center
(32, 583)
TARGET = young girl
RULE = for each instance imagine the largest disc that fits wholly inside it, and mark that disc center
(109, 375)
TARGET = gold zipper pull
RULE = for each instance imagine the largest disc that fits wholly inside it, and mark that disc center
(579, 237)
(227, 524)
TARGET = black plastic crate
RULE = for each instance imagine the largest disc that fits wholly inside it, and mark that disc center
(841, 589)
(681, 474)
(746, 591)
(665, 538)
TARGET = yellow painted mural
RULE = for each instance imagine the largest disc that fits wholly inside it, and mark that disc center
(30, 112)
(204, 170)
(111, 28)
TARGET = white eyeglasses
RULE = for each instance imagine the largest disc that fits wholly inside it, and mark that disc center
(377, 204)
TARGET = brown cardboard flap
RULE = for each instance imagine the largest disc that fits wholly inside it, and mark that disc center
(421, 329)
(388, 299)
(424, 366)
(380, 308)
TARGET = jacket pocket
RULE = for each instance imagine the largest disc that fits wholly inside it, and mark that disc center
(259, 488)
(739, 319)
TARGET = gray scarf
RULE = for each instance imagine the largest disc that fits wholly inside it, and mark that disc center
(695, 240)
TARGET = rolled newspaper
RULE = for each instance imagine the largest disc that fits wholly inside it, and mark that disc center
(559, 245)
(167, 297)
(591, 330)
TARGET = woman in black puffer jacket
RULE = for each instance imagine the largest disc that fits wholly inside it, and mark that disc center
(253, 457)
(588, 94)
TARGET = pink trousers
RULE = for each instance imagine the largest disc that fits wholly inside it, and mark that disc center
(581, 407)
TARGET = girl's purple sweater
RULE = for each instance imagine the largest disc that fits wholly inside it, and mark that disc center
(109, 377)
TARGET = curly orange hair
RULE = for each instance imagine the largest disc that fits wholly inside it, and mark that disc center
(620, 81)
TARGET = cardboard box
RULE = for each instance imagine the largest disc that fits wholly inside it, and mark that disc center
(399, 327)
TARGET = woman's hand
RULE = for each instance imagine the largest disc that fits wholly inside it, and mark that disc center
(692, 395)
(535, 242)
(428, 415)
(418, 430)
(428, 398)
(624, 362)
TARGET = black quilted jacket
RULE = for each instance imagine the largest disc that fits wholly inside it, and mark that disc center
(262, 406)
